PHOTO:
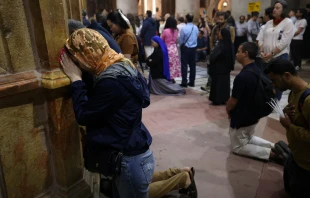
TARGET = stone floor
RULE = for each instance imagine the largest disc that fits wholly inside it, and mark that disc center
(188, 131)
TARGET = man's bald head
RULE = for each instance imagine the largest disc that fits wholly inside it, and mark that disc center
(167, 16)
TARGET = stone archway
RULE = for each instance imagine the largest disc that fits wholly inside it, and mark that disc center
(217, 5)
(221, 7)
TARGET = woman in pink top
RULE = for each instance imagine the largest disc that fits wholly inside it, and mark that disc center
(170, 37)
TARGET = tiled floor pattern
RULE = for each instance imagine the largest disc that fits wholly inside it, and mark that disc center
(188, 131)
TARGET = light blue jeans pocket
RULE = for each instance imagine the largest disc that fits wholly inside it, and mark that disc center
(148, 168)
(136, 175)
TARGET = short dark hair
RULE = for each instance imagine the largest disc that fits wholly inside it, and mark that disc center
(228, 12)
(189, 18)
(255, 14)
(242, 16)
(251, 48)
(84, 13)
(269, 12)
(74, 25)
(224, 14)
(303, 11)
(281, 66)
(116, 18)
(293, 10)
(284, 5)
(181, 19)
(149, 13)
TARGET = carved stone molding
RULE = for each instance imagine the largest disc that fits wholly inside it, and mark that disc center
(16, 83)
(20, 82)
(54, 79)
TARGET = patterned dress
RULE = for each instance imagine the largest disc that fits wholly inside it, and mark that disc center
(170, 37)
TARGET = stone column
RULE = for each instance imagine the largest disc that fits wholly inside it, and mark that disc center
(131, 6)
(74, 9)
(40, 141)
(184, 7)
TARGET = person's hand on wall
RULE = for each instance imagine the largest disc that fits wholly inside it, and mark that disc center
(70, 68)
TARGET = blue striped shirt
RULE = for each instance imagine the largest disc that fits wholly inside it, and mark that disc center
(186, 33)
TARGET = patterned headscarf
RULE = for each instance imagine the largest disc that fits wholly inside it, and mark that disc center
(92, 50)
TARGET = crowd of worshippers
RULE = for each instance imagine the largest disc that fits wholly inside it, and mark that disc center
(105, 58)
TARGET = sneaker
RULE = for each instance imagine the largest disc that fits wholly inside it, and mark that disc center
(297, 68)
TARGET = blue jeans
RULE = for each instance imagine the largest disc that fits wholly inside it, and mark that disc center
(136, 175)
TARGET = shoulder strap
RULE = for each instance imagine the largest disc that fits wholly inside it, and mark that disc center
(189, 35)
(302, 99)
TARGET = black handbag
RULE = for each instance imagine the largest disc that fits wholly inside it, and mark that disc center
(105, 161)
(182, 47)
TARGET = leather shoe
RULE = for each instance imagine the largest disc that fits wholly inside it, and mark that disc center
(182, 85)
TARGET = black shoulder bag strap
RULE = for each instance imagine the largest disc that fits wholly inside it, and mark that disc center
(302, 99)
(189, 35)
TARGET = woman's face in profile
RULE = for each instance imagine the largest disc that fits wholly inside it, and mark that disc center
(114, 27)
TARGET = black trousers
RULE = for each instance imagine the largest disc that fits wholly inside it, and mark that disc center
(188, 57)
(296, 50)
(296, 179)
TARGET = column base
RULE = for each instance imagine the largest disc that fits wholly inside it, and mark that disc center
(79, 190)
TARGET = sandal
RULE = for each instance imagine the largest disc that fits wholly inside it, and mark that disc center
(193, 171)
(281, 154)
(191, 190)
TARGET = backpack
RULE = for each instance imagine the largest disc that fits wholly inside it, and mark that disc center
(302, 99)
(263, 94)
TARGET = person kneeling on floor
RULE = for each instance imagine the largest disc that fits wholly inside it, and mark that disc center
(164, 182)
(296, 122)
(241, 108)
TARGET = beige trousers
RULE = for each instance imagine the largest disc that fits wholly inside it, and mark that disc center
(167, 181)
(244, 143)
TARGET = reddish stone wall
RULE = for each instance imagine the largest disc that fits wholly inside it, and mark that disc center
(40, 150)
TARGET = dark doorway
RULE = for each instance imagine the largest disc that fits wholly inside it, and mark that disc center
(109, 5)
(168, 6)
(203, 3)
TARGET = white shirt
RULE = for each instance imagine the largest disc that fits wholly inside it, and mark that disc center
(294, 19)
(279, 36)
(180, 26)
(138, 30)
(162, 27)
(253, 28)
(241, 28)
(261, 32)
(302, 23)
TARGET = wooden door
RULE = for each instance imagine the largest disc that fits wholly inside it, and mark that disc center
(168, 6)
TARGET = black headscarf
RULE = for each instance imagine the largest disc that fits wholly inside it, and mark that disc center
(227, 47)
